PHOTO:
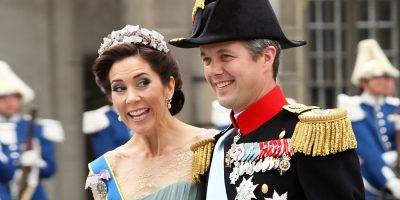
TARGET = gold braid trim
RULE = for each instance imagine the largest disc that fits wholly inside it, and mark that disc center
(323, 132)
(176, 39)
(202, 151)
(198, 4)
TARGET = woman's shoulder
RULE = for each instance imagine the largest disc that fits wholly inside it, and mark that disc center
(204, 134)
(110, 157)
(196, 134)
(99, 161)
(116, 154)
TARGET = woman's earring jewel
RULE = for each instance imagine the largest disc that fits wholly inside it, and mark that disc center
(169, 100)
(119, 118)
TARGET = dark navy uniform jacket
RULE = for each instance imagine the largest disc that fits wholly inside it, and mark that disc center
(331, 177)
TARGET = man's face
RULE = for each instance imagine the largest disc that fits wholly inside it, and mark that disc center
(376, 86)
(237, 79)
(390, 86)
(10, 104)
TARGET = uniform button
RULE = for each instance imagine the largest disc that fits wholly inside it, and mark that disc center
(14, 155)
(379, 114)
(282, 134)
(385, 138)
(264, 188)
(381, 122)
(13, 147)
(383, 130)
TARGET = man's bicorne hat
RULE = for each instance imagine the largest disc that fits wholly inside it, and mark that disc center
(226, 20)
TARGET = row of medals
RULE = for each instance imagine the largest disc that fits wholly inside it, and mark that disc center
(251, 166)
(262, 165)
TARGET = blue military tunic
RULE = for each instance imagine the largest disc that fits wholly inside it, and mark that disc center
(13, 149)
(6, 172)
(373, 124)
(105, 131)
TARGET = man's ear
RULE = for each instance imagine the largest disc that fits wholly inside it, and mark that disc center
(268, 56)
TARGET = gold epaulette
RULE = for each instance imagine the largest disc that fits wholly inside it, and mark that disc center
(201, 157)
(321, 132)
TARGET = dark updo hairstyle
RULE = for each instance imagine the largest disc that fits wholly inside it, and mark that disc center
(162, 63)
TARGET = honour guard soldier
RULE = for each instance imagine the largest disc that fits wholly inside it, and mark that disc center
(374, 118)
(105, 130)
(273, 150)
(14, 130)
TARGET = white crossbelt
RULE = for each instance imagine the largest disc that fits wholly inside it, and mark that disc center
(216, 180)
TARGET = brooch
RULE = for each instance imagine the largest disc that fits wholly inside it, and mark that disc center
(97, 184)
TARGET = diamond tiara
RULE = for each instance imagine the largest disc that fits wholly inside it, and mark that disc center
(134, 35)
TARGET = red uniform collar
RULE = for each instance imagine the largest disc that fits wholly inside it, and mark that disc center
(260, 112)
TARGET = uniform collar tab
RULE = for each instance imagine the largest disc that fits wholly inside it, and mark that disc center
(260, 112)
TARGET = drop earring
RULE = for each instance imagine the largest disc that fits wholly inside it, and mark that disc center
(119, 119)
(169, 100)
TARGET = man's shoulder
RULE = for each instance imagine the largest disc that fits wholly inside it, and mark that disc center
(393, 101)
(52, 130)
(352, 104)
(202, 154)
(94, 121)
(49, 129)
(321, 132)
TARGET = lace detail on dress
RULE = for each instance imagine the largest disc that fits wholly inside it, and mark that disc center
(140, 178)
(175, 167)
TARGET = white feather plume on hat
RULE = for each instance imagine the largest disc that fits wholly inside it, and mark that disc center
(10, 83)
(371, 62)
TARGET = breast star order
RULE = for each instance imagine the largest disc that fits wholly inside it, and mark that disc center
(276, 196)
(245, 191)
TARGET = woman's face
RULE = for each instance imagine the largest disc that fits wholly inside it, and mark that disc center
(138, 94)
